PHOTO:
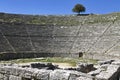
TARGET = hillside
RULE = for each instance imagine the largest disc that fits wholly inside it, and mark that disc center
(97, 36)
(58, 19)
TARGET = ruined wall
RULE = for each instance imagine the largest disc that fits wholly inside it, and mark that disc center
(10, 73)
(101, 37)
(105, 71)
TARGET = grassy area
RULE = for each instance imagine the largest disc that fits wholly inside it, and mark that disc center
(71, 61)
(39, 19)
(58, 20)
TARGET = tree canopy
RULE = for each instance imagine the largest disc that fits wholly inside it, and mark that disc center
(79, 8)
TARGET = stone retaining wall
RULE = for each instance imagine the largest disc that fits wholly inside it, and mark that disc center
(10, 56)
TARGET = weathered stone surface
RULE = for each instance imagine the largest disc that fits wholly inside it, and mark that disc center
(28, 73)
(94, 73)
(6, 77)
(117, 62)
(74, 75)
(112, 72)
(84, 78)
(11, 77)
(59, 75)
(105, 62)
(1, 76)
(105, 71)
(43, 74)
(85, 67)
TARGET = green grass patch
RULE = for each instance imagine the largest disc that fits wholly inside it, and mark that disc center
(71, 61)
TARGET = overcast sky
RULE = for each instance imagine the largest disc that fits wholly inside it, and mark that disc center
(58, 6)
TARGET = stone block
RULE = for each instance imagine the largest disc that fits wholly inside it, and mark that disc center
(84, 78)
(43, 75)
(1, 76)
(111, 73)
(59, 75)
(11, 77)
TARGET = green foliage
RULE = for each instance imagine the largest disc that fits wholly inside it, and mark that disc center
(79, 8)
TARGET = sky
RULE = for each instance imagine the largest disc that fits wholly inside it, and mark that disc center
(58, 7)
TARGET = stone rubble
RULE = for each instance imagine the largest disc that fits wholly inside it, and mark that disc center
(107, 71)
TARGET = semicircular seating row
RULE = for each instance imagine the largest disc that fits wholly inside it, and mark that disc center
(93, 38)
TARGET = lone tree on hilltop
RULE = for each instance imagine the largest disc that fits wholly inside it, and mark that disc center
(78, 8)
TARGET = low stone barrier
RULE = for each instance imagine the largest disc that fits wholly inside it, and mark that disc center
(17, 73)
(110, 71)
